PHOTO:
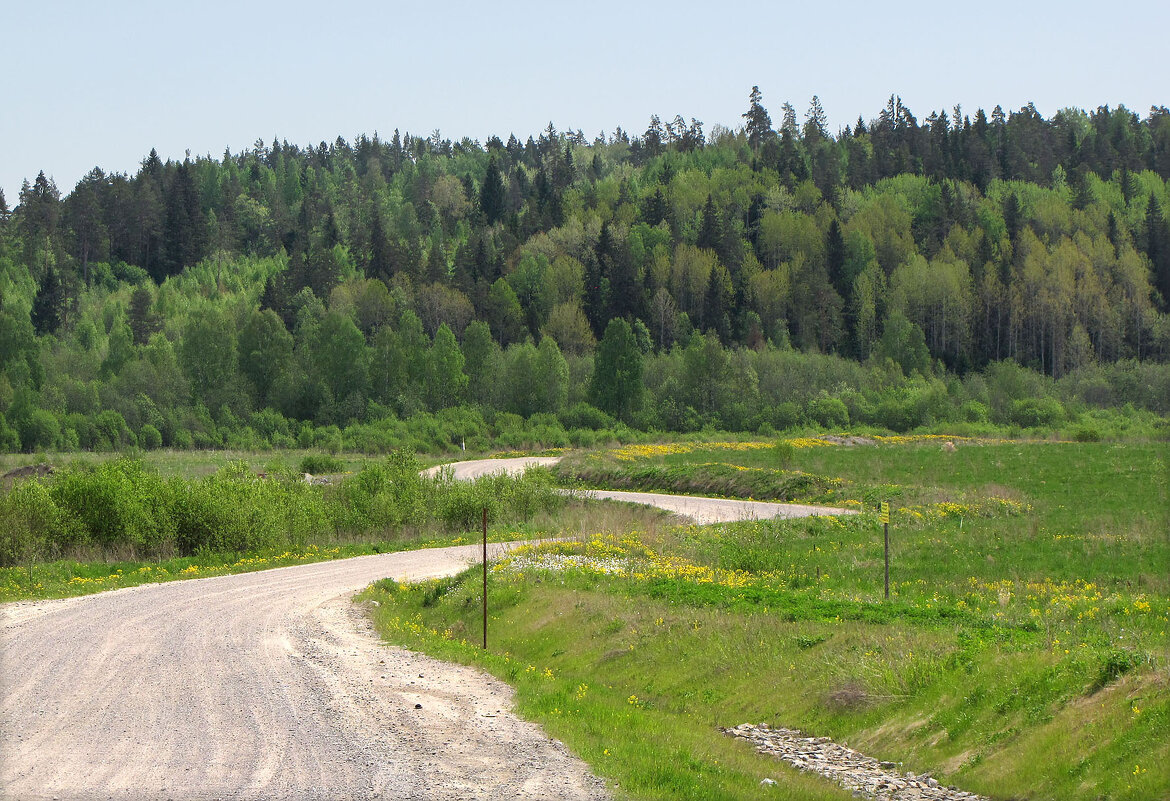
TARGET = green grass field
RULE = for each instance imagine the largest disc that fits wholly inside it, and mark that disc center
(1023, 652)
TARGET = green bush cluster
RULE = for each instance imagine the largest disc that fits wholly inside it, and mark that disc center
(319, 464)
(122, 506)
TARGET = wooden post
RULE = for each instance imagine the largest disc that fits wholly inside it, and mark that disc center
(885, 507)
(486, 578)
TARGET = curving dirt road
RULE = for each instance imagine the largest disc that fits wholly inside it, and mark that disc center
(271, 685)
(701, 510)
(267, 685)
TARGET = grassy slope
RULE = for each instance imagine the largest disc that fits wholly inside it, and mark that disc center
(1024, 654)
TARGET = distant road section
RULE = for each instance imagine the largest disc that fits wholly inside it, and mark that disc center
(701, 510)
(715, 510)
(474, 468)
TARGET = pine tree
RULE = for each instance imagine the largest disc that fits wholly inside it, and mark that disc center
(40, 211)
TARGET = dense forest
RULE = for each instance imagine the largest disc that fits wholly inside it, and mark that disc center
(999, 269)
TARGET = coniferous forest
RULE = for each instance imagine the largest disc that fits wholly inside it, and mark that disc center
(978, 270)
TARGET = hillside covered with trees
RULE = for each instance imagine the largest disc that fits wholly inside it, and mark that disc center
(986, 269)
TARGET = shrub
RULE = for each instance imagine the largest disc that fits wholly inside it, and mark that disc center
(39, 430)
(973, 412)
(1086, 434)
(119, 503)
(1117, 663)
(784, 416)
(1036, 412)
(784, 452)
(320, 463)
(328, 439)
(33, 526)
(9, 439)
(583, 415)
(828, 412)
(149, 437)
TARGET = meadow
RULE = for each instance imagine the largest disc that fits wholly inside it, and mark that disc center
(1023, 652)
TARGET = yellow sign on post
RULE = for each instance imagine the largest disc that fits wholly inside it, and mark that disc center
(885, 512)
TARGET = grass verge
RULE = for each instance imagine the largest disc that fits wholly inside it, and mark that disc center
(1023, 653)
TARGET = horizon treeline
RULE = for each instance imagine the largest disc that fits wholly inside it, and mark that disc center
(670, 279)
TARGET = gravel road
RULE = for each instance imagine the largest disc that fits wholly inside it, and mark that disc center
(701, 510)
(273, 685)
(267, 685)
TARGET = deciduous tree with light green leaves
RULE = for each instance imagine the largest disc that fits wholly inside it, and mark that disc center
(617, 386)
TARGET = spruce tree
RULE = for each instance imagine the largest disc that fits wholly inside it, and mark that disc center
(655, 208)
(1158, 250)
(381, 263)
(711, 231)
(758, 124)
(48, 309)
(835, 259)
(142, 319)
(491, 196)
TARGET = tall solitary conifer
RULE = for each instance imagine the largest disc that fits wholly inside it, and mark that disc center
(757, 122)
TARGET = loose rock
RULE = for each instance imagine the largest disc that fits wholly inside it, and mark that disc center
(865, 776)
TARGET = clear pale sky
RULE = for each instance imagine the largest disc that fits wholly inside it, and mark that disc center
(87, 84)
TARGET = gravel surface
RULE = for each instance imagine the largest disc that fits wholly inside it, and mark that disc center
(272, 685)
(474, 468)
(715, 510)
(701, 510)
(267, 685)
